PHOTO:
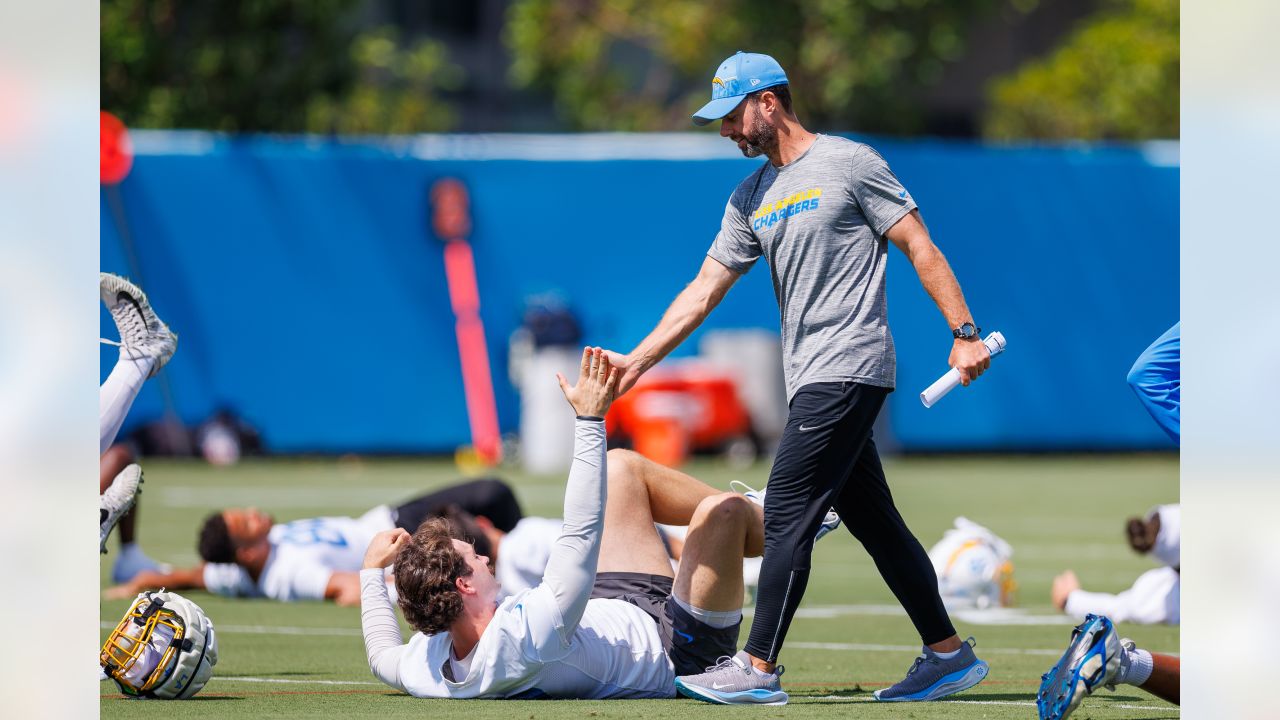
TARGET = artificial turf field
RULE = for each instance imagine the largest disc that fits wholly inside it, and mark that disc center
(850, 637)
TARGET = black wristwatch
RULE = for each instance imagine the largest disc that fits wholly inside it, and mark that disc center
(966, 331)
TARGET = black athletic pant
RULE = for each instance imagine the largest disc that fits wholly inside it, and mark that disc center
(489, 497)
(827, 458)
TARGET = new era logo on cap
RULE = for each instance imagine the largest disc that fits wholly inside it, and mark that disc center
(740, 75)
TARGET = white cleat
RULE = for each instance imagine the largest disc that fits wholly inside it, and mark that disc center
(142, 333)
(829, 523)
(118, 500)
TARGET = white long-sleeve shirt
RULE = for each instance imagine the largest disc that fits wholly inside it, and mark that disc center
(1154, 598)
(548, 641)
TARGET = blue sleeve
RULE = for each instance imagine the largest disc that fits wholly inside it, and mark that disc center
(1156, 378)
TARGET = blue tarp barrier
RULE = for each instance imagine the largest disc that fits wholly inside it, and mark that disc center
(309, 291)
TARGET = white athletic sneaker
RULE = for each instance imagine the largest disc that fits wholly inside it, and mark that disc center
(829, 523)
(118, 500)
(142, 334)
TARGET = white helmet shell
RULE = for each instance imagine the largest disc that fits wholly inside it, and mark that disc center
(165, 648)
(973, 567)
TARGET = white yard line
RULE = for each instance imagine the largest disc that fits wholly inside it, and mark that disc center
(274, 630)
(1011, 703)
(293, 682)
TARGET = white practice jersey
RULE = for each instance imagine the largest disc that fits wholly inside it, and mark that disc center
(615, 652)
(523, 553)
(1156, 597)
(304, 554)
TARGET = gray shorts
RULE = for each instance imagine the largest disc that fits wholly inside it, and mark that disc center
(692, 645)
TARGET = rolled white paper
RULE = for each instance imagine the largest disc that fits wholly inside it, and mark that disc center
(951, 380)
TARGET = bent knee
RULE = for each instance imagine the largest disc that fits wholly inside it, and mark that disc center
(724, 507)
(621, 465)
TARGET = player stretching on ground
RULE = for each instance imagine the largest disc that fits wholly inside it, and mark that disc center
(608, 620)
(247, 553)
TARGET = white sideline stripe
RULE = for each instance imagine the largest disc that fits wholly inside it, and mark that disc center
(276, 499)
(293, 682)
(1012, 703)
(867, 647)
(274, 630)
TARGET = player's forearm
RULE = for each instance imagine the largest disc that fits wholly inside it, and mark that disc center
(571, 568)
(1083, 602)
(382, 641)
(686, 313)
(175, 580)
(941, 284)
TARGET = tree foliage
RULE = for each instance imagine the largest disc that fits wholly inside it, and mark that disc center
(267, 65)
(647, 64)
(1114, 78)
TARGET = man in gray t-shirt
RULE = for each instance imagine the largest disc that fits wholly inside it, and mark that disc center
(821, 212)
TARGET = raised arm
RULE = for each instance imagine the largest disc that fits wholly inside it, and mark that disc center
(685, 314)
(382, 639)
(571, 569)
(909, 234)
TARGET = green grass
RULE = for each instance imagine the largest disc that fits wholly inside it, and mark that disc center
(307, 659)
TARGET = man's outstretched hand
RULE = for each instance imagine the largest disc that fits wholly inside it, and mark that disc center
(630, 370)
(597, 384)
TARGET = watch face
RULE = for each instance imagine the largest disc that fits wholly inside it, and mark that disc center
(966, 331)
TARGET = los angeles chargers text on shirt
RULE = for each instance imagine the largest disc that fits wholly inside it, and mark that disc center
(766, 215)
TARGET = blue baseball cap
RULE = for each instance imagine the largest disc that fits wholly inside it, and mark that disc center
(737, 77)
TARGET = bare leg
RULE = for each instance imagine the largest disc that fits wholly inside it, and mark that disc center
(642, 492)
(109, 466)
(722, 528)
(1166, 678)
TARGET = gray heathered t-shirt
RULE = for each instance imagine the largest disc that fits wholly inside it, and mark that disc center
(820, 222)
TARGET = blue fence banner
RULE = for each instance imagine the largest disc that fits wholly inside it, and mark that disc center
(309, 291)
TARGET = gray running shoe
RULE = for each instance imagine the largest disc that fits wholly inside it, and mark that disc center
(142, 334)
(116, 501)
(931, 677)
(829, 523)
(734, 682)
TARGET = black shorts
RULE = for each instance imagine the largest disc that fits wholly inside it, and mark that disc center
(692, 645)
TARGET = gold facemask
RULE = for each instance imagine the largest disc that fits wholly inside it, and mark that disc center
(141, 652)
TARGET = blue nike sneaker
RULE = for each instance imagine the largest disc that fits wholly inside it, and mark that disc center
(933, 678)
(1092, 660)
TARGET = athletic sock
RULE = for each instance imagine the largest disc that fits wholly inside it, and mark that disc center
(117, 394)
(711, 618)
(947, 655)
(1135, 667)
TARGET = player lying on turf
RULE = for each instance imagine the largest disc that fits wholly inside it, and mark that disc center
(1096, 658)
(247, 554)
(146, 344)
(608, 619)
(1155, 596)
